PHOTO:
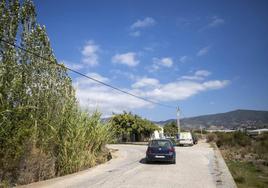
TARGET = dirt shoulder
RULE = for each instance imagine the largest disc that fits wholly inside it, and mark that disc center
(222, 174)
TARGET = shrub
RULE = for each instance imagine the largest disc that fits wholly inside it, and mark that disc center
(260, 147)
(224, 139)
(171, 128)
(211, 137)
(236, 139)
(241, 139)
(126, 125)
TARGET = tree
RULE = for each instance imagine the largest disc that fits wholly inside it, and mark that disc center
(129, 127)
(171, 128)
(40, 119)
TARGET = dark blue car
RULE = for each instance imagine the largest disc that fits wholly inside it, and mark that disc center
(161, 150)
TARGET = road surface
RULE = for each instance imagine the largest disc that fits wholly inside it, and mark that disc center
(195, 168)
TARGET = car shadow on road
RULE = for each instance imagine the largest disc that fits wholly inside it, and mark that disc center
(143, 161)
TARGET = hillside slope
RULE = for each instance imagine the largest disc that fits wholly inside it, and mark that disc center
(233, 119)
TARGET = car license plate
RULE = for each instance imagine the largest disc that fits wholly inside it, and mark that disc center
(159, 156)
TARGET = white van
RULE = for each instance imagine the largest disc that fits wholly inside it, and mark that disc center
(186, 138)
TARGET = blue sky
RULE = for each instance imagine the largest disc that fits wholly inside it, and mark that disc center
(205, 56)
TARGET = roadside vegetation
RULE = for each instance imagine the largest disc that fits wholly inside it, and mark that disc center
(43, 132)
(246, 157)
(130, 127)
(171, 129)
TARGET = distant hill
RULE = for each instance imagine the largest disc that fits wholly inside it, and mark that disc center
(229, 120)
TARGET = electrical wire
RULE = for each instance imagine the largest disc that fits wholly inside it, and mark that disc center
(86, 76)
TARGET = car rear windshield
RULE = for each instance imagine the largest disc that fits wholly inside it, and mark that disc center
(160, 143)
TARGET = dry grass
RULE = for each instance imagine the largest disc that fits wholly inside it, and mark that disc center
(245, 156)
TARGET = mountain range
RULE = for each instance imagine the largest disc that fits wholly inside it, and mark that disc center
(229, 120)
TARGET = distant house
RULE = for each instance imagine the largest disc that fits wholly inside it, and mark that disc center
(220, 130)
(158, 134)
(256, 131)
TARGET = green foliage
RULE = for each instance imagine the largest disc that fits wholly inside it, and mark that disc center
(211, 137)
(171, 128)
(260, 147)
(39, 113)
(126, 125)
(198, 131)
(246, 157)
(225, 139)
(243, 144)
(247, 175)
(234, 139)
(80, 141)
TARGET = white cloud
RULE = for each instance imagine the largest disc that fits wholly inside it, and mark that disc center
(71, 65)
(185, 59)
(147, 22)
(153, 68)
(128, 59)
(182, 90)
(135, 33)
(202, 73)
(215, 84)
(108, 101)
(90, 53)
(145, 82)
(118, 72)
(165, 61)
(98, 77)
(93, 95)
(160, 62)
(82, 81)
(192, 77)
(203, 51)
(216, 21)
(198, 75)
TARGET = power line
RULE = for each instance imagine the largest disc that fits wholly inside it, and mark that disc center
(86, 76)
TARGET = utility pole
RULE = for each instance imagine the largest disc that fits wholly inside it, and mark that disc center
(178, 120)
(201, 131)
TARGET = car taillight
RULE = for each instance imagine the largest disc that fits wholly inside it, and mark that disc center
(171, 150)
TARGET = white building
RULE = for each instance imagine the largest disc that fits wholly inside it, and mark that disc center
(257, 131)
(158, 134)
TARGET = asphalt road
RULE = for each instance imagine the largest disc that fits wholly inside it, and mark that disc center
(194, 169)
